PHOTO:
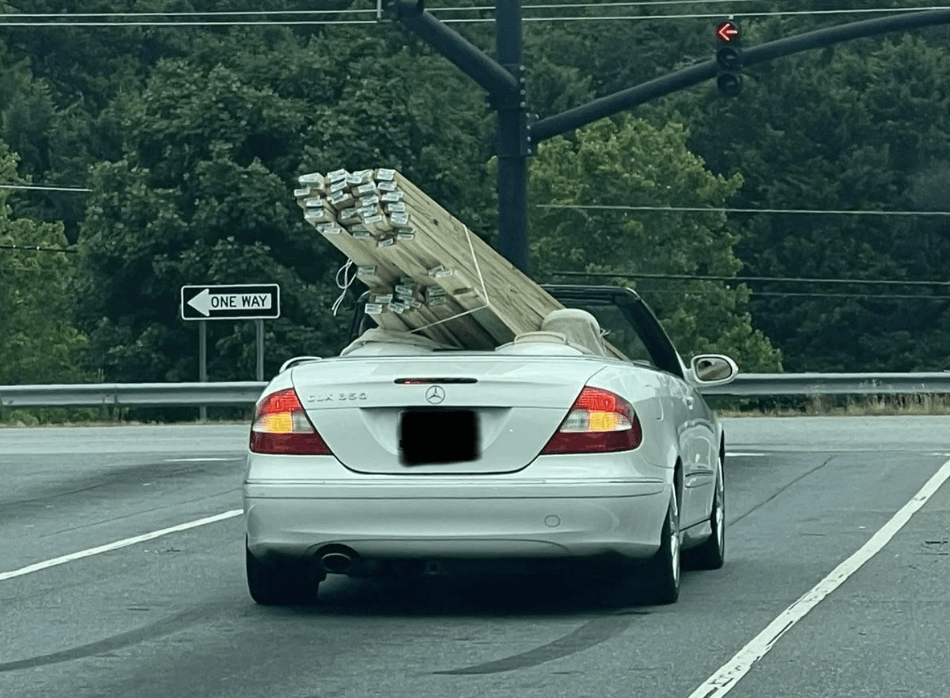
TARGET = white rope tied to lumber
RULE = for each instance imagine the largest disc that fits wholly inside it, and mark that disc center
(343, 285)
(481, 280)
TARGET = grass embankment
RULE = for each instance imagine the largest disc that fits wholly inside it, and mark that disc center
(841, 406)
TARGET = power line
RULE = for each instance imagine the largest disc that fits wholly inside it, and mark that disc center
(367, 11)
(236, 23)
(37, 248)
(212, 13)
(780, 13)
(901, 296)
(328, 22)
(373, 11)
(31, 187)
(752, 279)
(641, 3)
(814, 294)
(710, 209)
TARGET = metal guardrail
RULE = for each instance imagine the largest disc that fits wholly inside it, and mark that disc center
(246, 393)
(131, 394)
(768, 384)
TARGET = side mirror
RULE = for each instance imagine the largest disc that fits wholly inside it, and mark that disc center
(713, 369)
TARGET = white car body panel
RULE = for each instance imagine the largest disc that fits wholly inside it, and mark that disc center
(511, 501)
(300, 504)
(355, 405)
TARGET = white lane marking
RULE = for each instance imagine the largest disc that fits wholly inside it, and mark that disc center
(124, 543)
(197, 460)
(730, 673)
(745, 454)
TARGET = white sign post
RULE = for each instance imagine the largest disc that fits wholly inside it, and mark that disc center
(257, 302)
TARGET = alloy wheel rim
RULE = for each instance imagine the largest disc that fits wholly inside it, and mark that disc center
(675, 554)
(720, 516)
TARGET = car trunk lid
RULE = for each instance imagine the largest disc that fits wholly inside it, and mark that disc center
(441, 414)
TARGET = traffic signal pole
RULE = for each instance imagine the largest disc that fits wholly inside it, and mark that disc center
(687, 77)
(514, 141)
(504, 80)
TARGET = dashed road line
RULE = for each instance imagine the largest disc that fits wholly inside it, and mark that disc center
(116, 545)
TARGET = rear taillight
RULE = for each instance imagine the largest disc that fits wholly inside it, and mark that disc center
(281, 426)
(599, 422)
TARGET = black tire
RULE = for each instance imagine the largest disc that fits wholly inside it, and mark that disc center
(711, 555)
(661, 576)
(282, 581)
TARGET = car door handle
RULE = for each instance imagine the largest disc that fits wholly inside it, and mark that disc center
(690, 401)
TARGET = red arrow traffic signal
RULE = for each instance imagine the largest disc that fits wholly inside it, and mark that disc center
(727, 31)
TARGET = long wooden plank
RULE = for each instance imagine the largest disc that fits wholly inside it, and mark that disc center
(464, 331)
(416, 248)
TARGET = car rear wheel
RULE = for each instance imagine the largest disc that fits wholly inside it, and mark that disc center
(662, 573)
(282, 581)
(711, 555)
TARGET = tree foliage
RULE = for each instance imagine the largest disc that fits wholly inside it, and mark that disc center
(38, 343)
(639, 165)
(191, 139)
(865, 127)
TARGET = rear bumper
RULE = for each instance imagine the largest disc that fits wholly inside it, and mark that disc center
(455, 518)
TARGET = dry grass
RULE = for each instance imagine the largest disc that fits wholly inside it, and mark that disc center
(852, 406)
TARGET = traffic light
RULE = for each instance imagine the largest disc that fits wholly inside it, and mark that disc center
(729, 57)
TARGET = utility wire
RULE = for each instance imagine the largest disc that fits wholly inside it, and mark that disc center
(237, 23)
(31, 187)
(211, 13)
(641, 3)
(901, 296)
(717, 15)
(710, 209)
(370, 11)
(328, 22)
(594, 207)
(37, 248)
(793, 294)
(367, 11)
(751, 279)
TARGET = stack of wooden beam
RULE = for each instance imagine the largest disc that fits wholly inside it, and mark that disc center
(425, 270)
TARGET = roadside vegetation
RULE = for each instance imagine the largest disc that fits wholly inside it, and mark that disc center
(814, 406)
(841, 406)
(190, 139)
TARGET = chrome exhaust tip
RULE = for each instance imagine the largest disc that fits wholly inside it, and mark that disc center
(337, 563)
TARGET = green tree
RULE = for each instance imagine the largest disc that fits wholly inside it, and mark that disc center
(195, 200)
(38, 343)
(202, 192)
(863, 127)
(632, 163)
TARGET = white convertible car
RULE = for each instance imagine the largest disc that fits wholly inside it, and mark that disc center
(403, 454)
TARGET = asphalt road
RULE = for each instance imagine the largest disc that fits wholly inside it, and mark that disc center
(170, 616)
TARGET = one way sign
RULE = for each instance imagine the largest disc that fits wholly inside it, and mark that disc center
(236, 302)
